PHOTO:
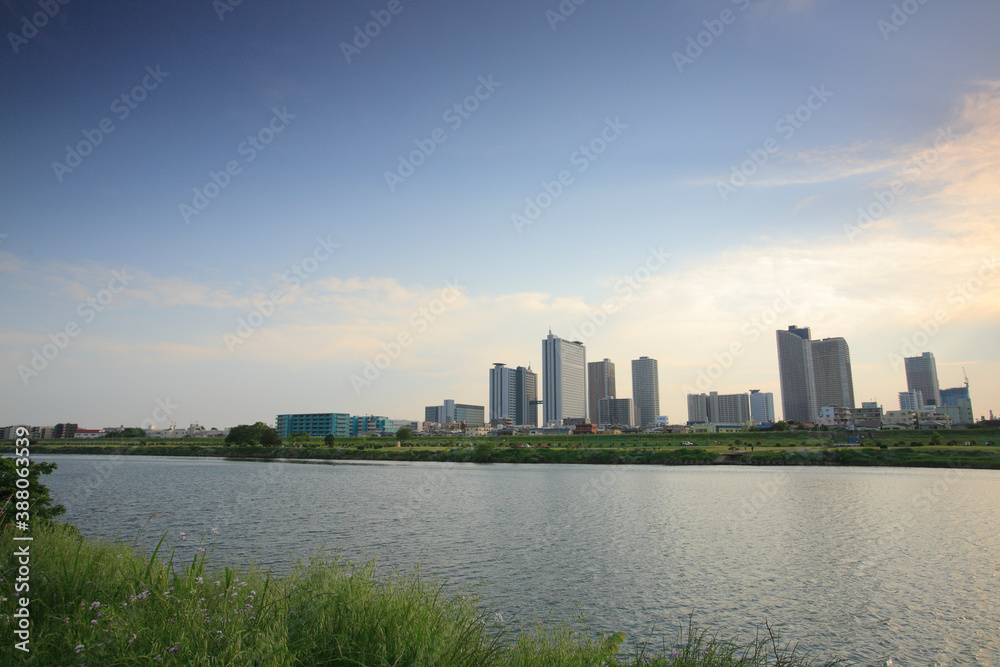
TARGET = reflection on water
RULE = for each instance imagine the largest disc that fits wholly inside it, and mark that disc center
(865, 564)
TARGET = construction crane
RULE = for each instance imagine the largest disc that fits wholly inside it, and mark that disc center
(966, 377)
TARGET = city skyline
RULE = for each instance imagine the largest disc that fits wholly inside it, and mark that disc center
(238, 230)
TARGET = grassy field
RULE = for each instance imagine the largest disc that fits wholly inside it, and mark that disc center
(95, 603)
(970, 449)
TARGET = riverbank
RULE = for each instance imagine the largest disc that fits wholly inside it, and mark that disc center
(919, 455)
(96, 603)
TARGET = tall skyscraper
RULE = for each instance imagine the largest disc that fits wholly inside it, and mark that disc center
(921, 373)
(600, 384)
(514, 395)
(526, 409)
(813, 373)
(795, 374)
(761, 406)
(834, 382)
(615, 412)
(564, 371)
(503, 392)
(645, 391)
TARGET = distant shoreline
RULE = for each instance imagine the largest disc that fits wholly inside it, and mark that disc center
(985, 458)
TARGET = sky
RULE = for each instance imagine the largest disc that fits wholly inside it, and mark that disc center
(216, 212)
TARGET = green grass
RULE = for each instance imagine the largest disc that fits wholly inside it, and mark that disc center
(99, 603)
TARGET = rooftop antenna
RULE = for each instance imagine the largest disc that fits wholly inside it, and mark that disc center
(966, 377)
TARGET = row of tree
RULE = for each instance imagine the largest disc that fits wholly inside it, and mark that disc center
(260, 434)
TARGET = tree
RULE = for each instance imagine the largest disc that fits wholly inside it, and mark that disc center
(40, 506)
(404, 434)
(256, 434)
(781, 426)
(298, 437)
(329, 440)
(127, 432)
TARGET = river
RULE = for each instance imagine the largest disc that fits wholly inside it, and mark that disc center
(857, 563)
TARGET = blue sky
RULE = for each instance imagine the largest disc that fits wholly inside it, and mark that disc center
(312, 220)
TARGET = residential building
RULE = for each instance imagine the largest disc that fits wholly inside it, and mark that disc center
(833, 380)
(716, 408)
(868, 416)
(64, 431)
(87, 433)
(615, 412)
(911, 400)
(600, 384)
(899, 419)
(10, 432)
(956, 404)
(513, 395)
(456, 413)
(761, 406)
(526, 409)
(835, 416)
(795, 373)
(370, 425)
(503, 392)
(565, 379)
(318, 424)
(921, 374)
(645, 391)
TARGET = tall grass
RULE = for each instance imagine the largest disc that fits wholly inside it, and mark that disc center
(98, 603)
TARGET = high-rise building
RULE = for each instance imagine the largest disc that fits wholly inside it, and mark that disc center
(565, 376)
(526, 412)
(645, 391)
(716, 408)
(795, 373)
(600, 384)
(834, 383)
(615, 412)
(921, 373)
(514, 395)
(503, 392)
(456, 413)
(911, 400)
(761, 406)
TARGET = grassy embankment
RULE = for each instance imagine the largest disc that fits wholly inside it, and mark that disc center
(96, 603)
(896, 448)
